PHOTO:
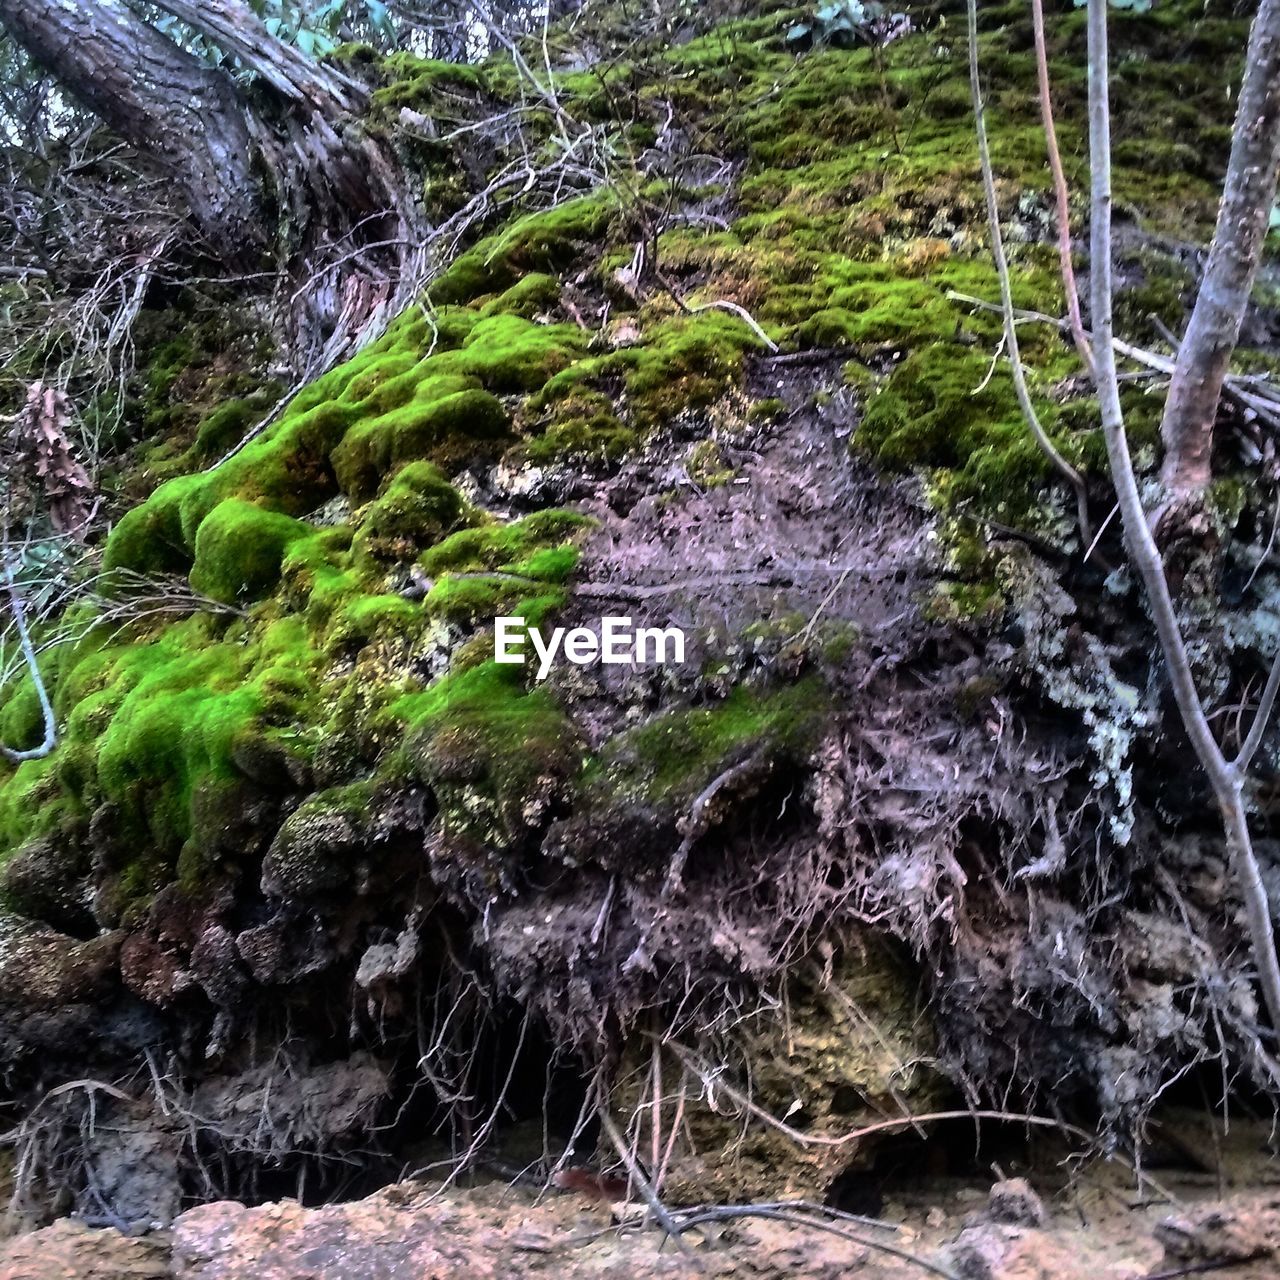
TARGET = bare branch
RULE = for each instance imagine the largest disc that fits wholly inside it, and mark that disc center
(50, 740)
(1261, 718)
(1071, 293)
(661, 1213)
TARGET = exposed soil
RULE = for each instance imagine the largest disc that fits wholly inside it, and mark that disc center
(1095, 1223)
(790, 525)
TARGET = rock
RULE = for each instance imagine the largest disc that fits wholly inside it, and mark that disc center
(286, 949)
(41, 968)
(134, 1165)
(45, 879)
(995, 1251)
(1014, 1202)
(71, 1249)
(313, 852)
(216, 966)
(407, 1233)
(1220, 1235)
(289, 1106)
(152, 971)
(373, 1237)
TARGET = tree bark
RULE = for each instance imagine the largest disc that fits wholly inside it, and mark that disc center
(158, 97)
(1214, 328)
(236, 29)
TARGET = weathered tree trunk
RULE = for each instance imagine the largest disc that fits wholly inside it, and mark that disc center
(235, 28)
(160, 98)
(1214, 328)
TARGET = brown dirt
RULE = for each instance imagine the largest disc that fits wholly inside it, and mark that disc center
(1096, 1226)
(788, 524)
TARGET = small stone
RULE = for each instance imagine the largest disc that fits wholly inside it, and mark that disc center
(1015, 1202)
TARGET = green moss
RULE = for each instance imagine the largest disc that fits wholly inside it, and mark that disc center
(494, 752)
(529, 297)
(1227, 498)
(31, 803)
(316, 849)
(149, 538)
(239, 550)
(167, 732)
(548, 564)
(706, 465)
(225, 427)
(417, 508)
(599, 438)
(831, 327)
(538, 242)
(510, 570)
(510, 354)
(416, 82)
(682, 363)
(671, 758)
(506, 548)
(21, 717)
(364, 618)
(445, 418)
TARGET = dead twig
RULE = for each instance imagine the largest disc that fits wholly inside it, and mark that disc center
(1061, 199)
(726, 1212)
(1199, 1268)
(1249, 391)
(17, 611)
(661, 1213)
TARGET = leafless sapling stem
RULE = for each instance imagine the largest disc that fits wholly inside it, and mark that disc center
(1046, 446)
(1225, 777)
(1248, 194)
(19, 613)
(1060, 196)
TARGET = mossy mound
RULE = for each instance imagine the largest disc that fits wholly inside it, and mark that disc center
(418, 507)
(239, 550)
(514, 569)
(670, 759)
(350, 576)
(496, 754)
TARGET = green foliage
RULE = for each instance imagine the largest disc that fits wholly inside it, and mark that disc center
(843, 25)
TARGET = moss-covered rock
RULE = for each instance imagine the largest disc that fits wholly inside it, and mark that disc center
(316, 848)
(443, 414)
(419, 507)
(497, 755)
